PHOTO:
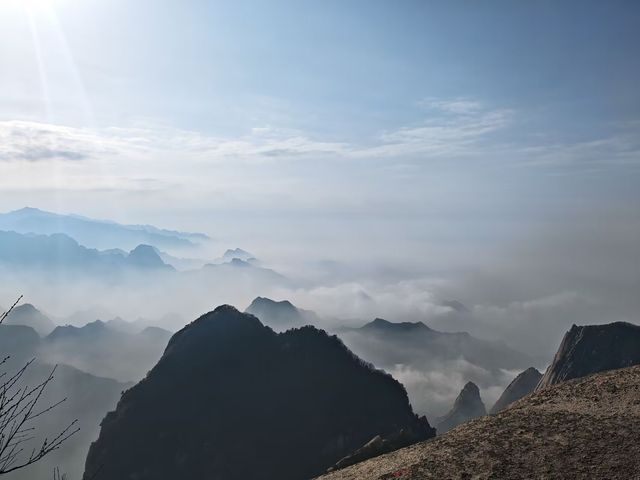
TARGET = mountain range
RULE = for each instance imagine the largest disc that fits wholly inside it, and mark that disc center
(58, 253)
(581, 420)
(93, 233)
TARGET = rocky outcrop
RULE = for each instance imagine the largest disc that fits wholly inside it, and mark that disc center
(467, 406)
(232, 399)
(522, 385)
(582, 429)
(593, 348)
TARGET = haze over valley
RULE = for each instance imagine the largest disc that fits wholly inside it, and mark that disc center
(349, 239)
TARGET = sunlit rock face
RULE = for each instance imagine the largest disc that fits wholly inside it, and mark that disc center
(232, 399)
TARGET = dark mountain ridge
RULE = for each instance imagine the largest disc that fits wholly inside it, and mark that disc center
(232, 399)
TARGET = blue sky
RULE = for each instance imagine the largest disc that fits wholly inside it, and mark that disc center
(450, 122)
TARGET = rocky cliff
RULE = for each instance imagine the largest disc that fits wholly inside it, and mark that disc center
(593, 348)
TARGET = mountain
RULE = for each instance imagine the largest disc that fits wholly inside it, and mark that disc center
(96, 233)
(236, 254)
(103, 349)
(30, 316)
(467, 406)
(280, 315)
(232, 399)
(59, 253)
(593, 348)
(145, 256)
(18, 342)
(88, 398)
(241, 274)
(405, 340)
(522, 385)
(380, 325)
(423, 358)
(581, 429)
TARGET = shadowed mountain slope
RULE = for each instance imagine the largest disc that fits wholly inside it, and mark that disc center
(522, 385)
(232, 399)
(582, 429)
(467, 406)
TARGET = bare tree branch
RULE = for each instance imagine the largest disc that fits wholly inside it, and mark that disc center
(19, 408)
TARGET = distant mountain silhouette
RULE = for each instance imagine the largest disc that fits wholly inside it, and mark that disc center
(280, 315)
(145, 256)
(30, 316)
(467, 406)
(232, 399)
(240, 271)
(593, 348)
(522, 385)
(382, 325)
(95, 233)
(19, 342)
(236, 253)
(88, 398)
(105, 351)
(387, 343)
(59, 253)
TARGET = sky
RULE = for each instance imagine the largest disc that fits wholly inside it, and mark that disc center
(427, 136)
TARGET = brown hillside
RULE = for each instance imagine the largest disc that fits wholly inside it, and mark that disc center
(582, 429)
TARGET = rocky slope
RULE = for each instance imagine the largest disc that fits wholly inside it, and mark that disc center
(467, 406)
(594, 348)
(522, 385)
(232, 399)
(582, 429)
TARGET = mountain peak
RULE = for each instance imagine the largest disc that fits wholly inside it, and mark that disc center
(145, 256)
(28, 315)
(280, 315)
(290, 405)
(522, 385)
(467, 406)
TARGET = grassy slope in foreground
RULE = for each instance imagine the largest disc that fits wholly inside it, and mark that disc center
(582, 429)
